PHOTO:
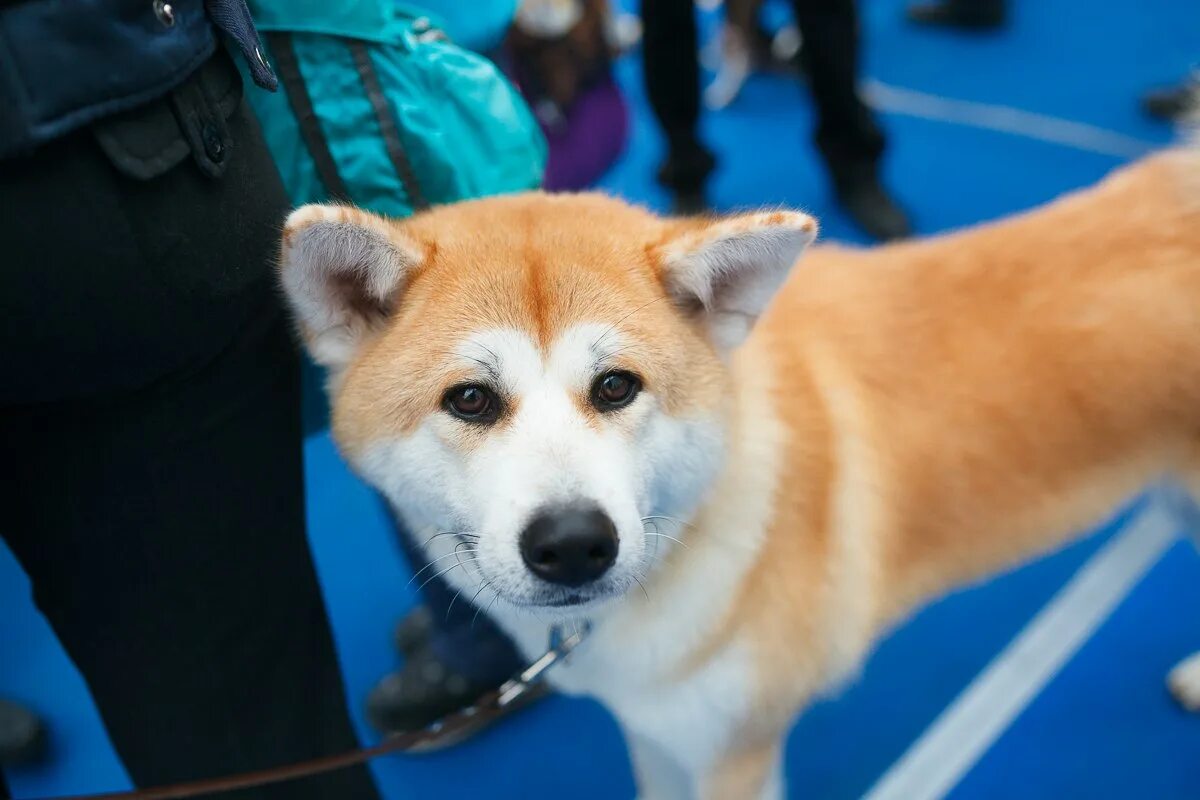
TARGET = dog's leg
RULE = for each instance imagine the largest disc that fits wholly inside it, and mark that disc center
(1184, 679)
(667, 769)
(750, 772)
(658, 774)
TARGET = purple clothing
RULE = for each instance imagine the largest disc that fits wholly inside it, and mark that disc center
(594, 134)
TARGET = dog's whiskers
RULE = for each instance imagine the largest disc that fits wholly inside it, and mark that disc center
(613, 327)
(644, 531)
(665, 536)
(479, 610)
(674, 520)
(453, 600)
(417, 574)
(443, 572)
(486, 585)
(642, 586)
(464, 534)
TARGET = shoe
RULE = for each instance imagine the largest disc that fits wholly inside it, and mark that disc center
(975, 15)
(412, 632)
(1173, 104)
(425, 690)
(689, 203)
(22, 735)
(863, 197)
(685, 173)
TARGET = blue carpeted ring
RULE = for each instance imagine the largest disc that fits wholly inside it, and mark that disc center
(1103, 728)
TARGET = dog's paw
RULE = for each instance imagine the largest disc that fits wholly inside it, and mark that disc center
(1184, 682)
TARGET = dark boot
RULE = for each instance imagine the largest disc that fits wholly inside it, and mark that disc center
(427, 688)
(1174, 103)
(22, 735)
(862, 195)
(977, 15)
(685, 174)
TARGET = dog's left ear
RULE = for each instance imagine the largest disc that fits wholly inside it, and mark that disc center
(730, 268)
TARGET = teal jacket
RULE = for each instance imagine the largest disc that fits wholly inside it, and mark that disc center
(477, 25)
(464, 128)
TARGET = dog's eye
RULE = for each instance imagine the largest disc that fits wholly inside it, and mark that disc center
(471, 403)
(614, 390)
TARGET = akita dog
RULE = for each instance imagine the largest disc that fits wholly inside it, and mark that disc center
(738, 467)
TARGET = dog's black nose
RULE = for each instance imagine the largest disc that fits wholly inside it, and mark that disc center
(569, 545)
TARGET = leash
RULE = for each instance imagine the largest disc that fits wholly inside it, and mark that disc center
(488, 707)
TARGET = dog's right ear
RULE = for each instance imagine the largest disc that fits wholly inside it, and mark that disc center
(729, 269)
(342, 270)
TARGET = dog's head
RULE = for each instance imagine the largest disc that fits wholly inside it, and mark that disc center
(539, 379)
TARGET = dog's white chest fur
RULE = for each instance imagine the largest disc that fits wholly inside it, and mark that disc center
(688, 716)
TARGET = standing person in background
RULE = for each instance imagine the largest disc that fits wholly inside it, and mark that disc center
(847, 136)
(150, 396)
(560, 53)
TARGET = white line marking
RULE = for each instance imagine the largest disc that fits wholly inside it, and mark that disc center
(964, 731)
(1006, 119)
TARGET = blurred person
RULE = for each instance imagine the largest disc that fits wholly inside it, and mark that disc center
(359, 121)
(150, 397)
(848, 138)
(561, 54)
(963, 14)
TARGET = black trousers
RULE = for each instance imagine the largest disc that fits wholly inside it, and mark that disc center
(150, 439)
(846, 135)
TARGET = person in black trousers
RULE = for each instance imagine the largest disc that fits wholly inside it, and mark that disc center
(847, 136)
(150, 400)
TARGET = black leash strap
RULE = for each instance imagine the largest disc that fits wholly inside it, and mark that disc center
(452, 727)
(288, 68)
(290, 772)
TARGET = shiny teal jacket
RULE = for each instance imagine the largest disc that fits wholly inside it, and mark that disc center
(462, 128)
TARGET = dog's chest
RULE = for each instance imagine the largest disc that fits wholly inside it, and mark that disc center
(648, 685)
(691, 714)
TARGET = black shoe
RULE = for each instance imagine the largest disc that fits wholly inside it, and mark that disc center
(426, 690)
(421, 693)
(868, 203)
(1173, 104)
(22, 735)
(412, 633)
(685, 173)
(689, 203)
(975, 15)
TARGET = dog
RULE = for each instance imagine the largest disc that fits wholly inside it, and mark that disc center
(741, 466)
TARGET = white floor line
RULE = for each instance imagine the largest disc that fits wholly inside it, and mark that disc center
(1079, 135)
(965, 730)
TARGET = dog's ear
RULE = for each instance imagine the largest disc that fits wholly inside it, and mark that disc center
(342, 270)
(729, 269)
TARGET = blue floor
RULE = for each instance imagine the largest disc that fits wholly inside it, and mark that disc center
(1103, 728)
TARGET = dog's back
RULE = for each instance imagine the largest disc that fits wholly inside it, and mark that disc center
(1014, 378)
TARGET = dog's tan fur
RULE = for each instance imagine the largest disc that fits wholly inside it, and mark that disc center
(902, 419)
(966, 402)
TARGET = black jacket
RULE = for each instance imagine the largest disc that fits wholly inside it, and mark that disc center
(66, 63)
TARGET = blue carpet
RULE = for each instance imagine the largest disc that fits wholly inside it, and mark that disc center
(1104, 728)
